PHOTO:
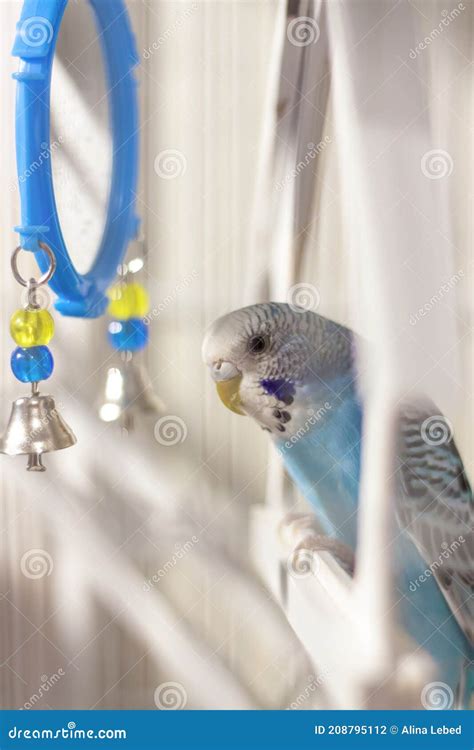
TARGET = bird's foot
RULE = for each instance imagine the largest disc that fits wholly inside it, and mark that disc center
(301, 529)
(295, 526)
(320, 543)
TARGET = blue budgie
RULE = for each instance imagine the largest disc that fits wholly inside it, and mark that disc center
(293, 371)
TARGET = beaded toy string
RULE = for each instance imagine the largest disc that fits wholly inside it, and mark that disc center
(129, 304)
(35, 426)
(128, 387)
(32, 328)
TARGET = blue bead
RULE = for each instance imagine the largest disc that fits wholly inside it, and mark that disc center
(128, 335)
(33, 364)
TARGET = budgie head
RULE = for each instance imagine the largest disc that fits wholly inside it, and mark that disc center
(277, 363)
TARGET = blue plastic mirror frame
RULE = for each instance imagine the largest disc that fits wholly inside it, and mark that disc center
(80, 295)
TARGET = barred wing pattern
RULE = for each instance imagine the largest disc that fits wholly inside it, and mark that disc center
(436, 506)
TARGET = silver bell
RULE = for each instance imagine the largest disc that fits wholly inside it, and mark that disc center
(128, 390)
(35, 427)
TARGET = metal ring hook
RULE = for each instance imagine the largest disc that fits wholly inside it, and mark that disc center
(45, 277)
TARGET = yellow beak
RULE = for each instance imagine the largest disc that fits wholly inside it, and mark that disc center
(229, 394)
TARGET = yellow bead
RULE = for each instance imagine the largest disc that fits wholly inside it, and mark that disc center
(31, 327)
(128, 301)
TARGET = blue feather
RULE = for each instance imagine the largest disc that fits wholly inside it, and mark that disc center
(325, 464)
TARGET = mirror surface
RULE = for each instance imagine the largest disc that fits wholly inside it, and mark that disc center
(81, 148)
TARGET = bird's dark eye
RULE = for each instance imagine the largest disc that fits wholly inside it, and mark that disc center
(258, 344)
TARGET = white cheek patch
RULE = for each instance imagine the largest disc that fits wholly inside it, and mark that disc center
(284, 421)
(283, 390)
(267, 409)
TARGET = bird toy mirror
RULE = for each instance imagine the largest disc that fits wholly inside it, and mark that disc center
(80, 295)
(35, 426)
